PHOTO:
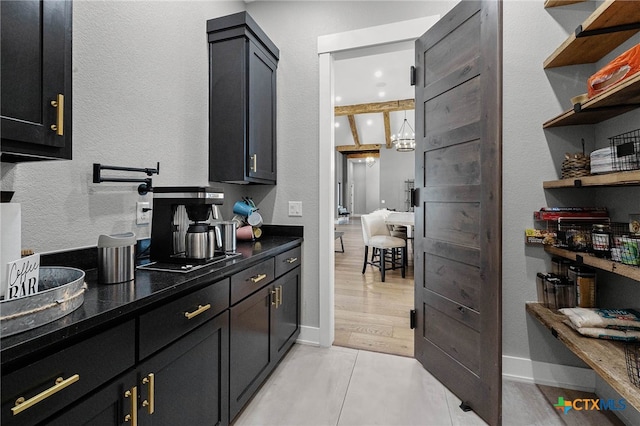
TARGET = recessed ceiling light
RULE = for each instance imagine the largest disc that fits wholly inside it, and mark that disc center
(381, 94)
(338, 98)
(337, 124)
(378, 74)
(369, 122)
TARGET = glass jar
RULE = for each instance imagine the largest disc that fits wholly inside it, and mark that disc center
(601, 240)
(584, 279)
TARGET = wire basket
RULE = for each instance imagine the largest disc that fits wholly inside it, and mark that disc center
(632, 358)
(625, 149)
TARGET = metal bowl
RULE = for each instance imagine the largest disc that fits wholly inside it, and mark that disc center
(61, 291)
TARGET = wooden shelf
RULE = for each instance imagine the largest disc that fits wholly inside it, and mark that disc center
(620, 98)
(631, 178)
(556, 3)
(588, 49)
(605, 357)
(588, 259)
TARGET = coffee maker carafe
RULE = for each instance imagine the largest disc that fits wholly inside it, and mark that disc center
(182, 231)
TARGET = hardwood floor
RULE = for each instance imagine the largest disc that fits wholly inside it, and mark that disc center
(370, 314)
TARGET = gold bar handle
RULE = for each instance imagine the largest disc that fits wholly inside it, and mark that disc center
(279, 295)
(258, 278)
(133, 416)
(274, 298)
(150, 403)
(23, 404)
(254, 163)
(58, 104)
(291, 260)
(201, 309)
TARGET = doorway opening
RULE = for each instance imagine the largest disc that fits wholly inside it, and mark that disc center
(328, 47)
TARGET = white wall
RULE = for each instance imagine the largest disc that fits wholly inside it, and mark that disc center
(395, 168)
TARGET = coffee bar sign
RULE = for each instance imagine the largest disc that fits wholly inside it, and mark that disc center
(22, 277)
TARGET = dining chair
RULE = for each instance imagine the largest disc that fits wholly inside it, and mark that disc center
(376, 235)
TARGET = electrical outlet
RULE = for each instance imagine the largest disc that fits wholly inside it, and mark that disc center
(143, 213)
(295, 208)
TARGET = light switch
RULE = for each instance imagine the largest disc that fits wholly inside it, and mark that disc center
(295, 208)
(143, 213)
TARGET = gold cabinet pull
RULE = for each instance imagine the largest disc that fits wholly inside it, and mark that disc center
(58, 104)
(23, 404)
(274, 298)
(291, 260)
(254, 163)
(133, 416)
(258, 278)
(280, 296)
(201, 309)
(150, 403)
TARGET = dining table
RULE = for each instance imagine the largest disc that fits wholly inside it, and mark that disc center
(401, 219)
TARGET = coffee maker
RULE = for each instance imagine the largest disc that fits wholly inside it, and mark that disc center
(182, 230)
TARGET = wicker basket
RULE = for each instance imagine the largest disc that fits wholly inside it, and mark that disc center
(577, 165)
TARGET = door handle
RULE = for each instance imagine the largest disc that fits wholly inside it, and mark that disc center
(254, 163)
(58, 104)
(201, 309)
(258, 278)
(133, 415)
(150, 403)
(24, 404)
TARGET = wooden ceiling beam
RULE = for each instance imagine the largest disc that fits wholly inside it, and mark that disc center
(354, 130)
(375, 107)
(351, 148)
(387, 129)
(364, 155)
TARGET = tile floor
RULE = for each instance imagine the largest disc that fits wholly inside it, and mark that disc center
(344, 387)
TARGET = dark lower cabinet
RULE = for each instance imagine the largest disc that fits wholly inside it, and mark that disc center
(184, 384)
(249, 347)
(194, 360)
(262, 328)
(287, 314)
(35, 79)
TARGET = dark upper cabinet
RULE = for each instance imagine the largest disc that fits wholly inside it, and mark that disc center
(35, 79)
(242, 101)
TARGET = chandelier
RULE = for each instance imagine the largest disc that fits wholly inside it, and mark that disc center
(405, 140)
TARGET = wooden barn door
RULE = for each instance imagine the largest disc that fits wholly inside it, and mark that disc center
(458, 204)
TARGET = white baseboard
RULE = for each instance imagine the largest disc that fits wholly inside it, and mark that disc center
(309, 336)
(542, 373)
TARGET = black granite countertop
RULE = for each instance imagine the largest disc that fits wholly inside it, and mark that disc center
(107, 305)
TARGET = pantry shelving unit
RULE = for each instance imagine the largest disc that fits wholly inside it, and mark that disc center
(612, 23)
(605, 357)
(631, 178)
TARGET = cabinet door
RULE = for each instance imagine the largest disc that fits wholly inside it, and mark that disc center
(262, 115)
(249, 347)
(36, 69)
(286, 313)
(190, 382)
(107, 407)
(185, 384)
